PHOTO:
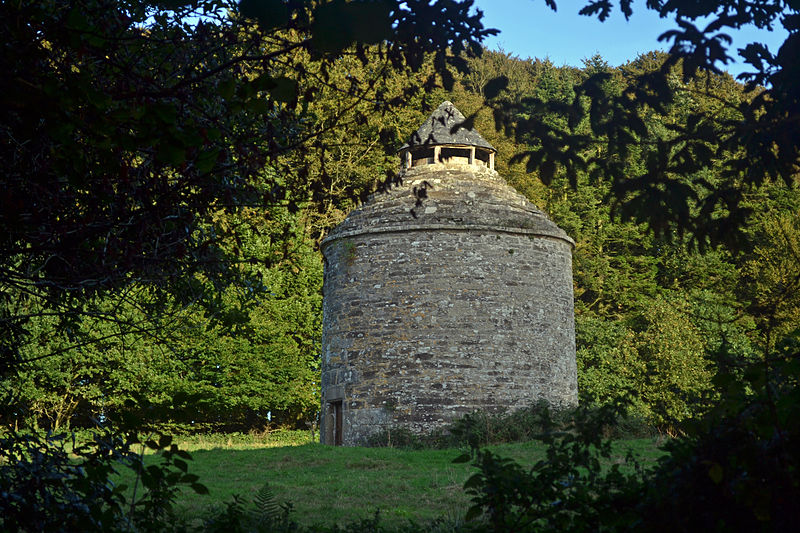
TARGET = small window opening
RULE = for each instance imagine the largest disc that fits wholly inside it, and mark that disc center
(455, 155)
(482, 158)
(422, 156)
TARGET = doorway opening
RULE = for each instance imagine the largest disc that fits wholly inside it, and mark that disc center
(334, 423)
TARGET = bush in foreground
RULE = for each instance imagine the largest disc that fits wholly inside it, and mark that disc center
(54, 483)
(737, 469)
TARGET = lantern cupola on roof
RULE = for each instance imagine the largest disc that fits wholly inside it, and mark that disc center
(443, 139)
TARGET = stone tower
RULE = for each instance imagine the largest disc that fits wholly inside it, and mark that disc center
(447, 294)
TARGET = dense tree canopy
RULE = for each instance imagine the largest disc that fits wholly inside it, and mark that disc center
(748, 138)
(127, 125)
(166, 167)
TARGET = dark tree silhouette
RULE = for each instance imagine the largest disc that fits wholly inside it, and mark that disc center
(124, 125)
(750, 141)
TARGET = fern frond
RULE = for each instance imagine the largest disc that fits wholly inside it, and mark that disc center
(267, 508)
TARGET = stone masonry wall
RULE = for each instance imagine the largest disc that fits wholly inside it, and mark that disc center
(422, 326)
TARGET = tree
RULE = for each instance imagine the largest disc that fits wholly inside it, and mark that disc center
(127, 125)
(258, 357)
(753, 139)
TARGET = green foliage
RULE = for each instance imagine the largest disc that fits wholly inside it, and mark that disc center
(150, 265)
(771, 271)
(51, 483)
(131, 136)
(690, 175)
(269, 439)
(736, 469)
(480, 429)
(136, 276)
(608, 363)
(263, 514)
(570, 490)
(671, 349)
(649, 305)
(675, 329)
(186, 370)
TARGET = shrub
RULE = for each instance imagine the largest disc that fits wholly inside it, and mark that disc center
(739, 468)
(56, 483)
(479, 428)
(263, 514)
(569, 490)
(736, 469)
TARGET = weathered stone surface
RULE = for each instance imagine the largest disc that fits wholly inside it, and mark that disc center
(440, 303)
(457, 196)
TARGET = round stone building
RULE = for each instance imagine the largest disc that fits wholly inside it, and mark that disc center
(447, 294)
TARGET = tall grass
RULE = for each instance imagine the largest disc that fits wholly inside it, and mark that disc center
(485, 429)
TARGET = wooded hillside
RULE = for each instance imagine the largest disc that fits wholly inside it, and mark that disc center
(652, 303)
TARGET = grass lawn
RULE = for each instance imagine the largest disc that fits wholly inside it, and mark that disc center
(328, 485)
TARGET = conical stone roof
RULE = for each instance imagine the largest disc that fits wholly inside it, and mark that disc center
(442, 129)
(435, 197)
(445, 196)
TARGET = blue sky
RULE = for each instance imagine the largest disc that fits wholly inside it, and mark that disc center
(528, 28)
